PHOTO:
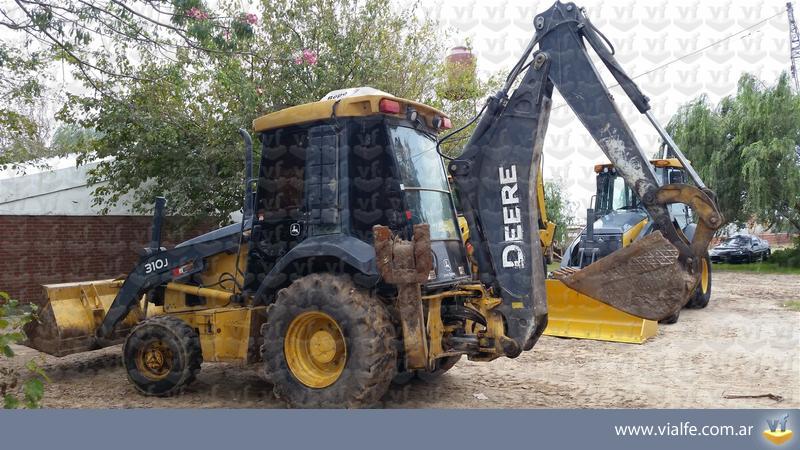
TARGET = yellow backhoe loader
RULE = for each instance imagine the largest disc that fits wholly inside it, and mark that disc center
(348, 266)
(616, 220)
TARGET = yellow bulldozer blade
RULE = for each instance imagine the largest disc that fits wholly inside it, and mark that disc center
(644, 279)
(574, 315)
(70, 317)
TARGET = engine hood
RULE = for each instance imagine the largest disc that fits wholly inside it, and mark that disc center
(618, 222)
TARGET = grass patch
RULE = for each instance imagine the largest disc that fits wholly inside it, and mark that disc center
(793, 305)
(553, 266)
(758, 267)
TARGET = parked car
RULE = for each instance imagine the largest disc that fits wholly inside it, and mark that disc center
(741, 248)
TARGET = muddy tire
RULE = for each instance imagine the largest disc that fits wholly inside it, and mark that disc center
(702, 295)
(442, 366)
(671, 319)
(328, 344)
(162, 355)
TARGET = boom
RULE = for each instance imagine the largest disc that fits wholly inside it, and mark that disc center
(497, 175)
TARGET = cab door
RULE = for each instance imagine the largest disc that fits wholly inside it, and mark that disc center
(280, 203)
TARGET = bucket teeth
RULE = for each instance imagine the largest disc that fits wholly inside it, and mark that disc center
(644, 279)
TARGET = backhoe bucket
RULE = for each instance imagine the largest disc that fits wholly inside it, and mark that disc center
(70, 317)
(644, 279)
(574, 315)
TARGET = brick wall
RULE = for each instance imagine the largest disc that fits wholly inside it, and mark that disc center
(36, 250)
(778, 239)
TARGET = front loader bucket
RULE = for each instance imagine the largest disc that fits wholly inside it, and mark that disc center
(70, 317)
(574, 315)
(644, 279)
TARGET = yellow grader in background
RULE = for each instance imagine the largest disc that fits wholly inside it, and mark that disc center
(348, 267)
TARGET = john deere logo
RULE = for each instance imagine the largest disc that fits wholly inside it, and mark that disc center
(776, 436)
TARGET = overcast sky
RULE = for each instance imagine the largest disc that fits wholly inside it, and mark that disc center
(646, 35)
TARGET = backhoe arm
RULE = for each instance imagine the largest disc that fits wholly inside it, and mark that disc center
(497, 177)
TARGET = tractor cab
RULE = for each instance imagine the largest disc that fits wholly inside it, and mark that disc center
(333, 169)
(618, 216)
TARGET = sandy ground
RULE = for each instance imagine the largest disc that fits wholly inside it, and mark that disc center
(745, 343)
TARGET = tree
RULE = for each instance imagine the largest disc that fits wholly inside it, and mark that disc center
(747, 149)
(170, 82)
(559, 210)
(461, 93)
(169, 127)
(99, 37)
(22, 131)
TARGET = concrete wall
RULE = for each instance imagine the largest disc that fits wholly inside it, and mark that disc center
(62, 191)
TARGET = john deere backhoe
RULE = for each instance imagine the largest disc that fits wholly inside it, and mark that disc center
(348, 267)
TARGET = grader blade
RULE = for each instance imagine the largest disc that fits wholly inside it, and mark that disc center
(68, 321)
(574, 315)
(644, 279)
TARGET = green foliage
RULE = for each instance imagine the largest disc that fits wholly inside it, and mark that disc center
(173, 81)
(21, 132)
(747, 150)
(170, 127)
(18, 391)
(71, 138)
(358, 43)
(793, 305)
(758, 267)
(787, 257)
(462, 108)
(559, 210)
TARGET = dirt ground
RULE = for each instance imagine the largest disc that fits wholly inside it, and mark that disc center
(745, 343)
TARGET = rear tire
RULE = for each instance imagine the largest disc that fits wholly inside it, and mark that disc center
(702, 295)
(357, 373)
(162, 355)
(671, 319)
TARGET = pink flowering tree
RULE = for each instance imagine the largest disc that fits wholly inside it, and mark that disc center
(212, 67)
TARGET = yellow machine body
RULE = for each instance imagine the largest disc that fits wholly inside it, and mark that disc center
(73, 312)
(227, 334)
(574, 315)
(71, 315)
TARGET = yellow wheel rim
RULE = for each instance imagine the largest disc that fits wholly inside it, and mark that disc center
(315, 349)
(154, 360)
(704, 275)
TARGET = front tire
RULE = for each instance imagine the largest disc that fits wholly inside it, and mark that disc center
(442, 366)
(162, 355)
(328, 344)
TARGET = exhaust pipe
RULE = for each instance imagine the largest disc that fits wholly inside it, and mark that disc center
(248, 176)
(158, 222)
